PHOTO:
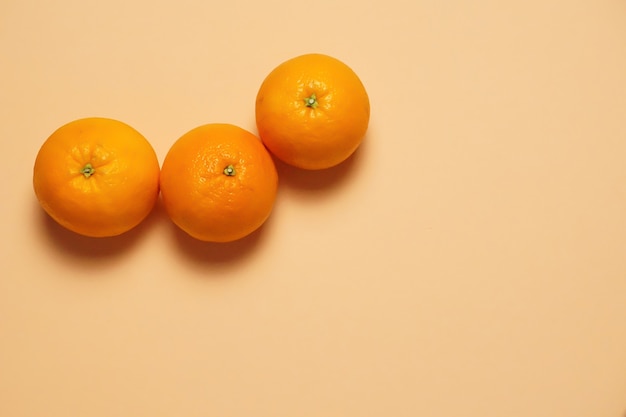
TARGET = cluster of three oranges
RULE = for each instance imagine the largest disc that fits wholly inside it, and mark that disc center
(100, 177)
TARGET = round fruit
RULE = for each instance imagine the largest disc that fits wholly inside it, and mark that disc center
(97, 177)
(312, 111)
(218, 183)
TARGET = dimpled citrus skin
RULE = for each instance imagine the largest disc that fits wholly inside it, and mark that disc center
(98, 177)
(312, 111)
(218, 183)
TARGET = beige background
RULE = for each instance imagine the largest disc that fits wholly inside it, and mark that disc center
(468, 261)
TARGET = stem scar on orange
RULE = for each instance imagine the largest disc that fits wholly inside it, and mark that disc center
(97, 177)
(218, 183)
(312, 111)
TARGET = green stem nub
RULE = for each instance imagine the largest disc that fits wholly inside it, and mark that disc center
(230, 171)
(311, 101)
(88, 170)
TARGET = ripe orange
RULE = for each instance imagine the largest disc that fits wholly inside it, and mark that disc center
(97, 177)
(312, 111)
(218, 183)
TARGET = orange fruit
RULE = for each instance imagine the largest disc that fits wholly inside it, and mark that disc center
(218, 183)
(97, 177)
(312, 111)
